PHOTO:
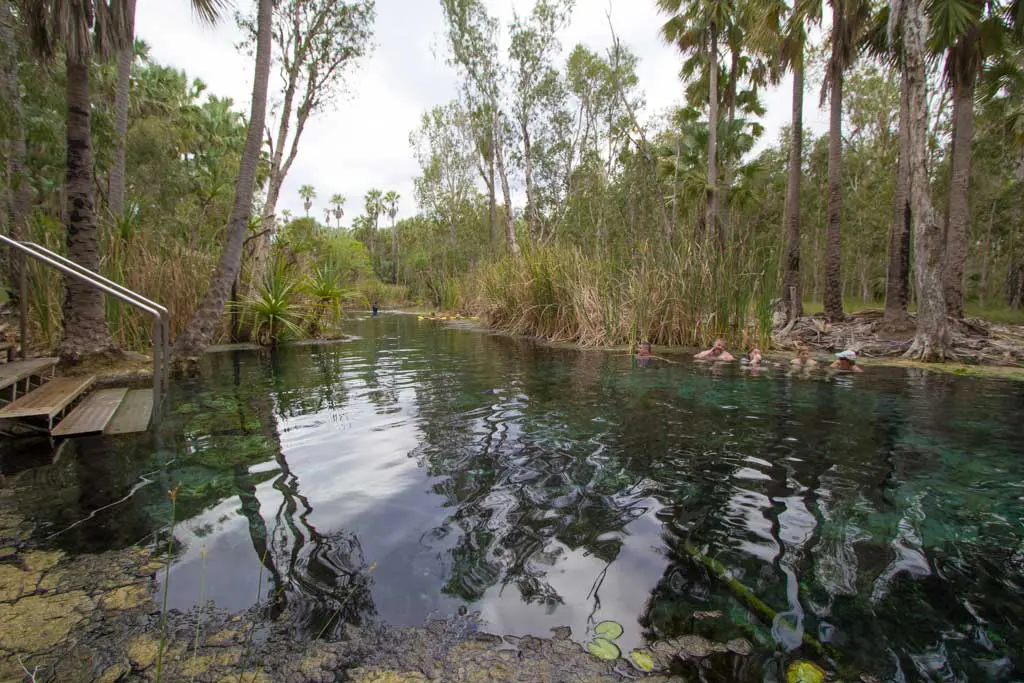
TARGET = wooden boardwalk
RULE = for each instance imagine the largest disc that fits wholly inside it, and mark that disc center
(92, 415)
(47, 401)
(134, 414)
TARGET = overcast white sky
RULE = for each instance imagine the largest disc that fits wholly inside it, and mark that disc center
(364, 142)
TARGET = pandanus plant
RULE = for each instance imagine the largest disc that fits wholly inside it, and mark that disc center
(276, 310)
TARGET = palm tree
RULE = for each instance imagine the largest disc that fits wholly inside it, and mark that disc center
(390, 203)
(307, 193)
(197, 335)
(782, 30)
(849, 18)
(338, 204)
(968, 31)
(208, 12)
(695, 28)
(373, 207)
(931, 341)
(81, 28)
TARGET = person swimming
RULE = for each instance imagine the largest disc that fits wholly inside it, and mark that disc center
(754, 359)
(716, 353)
(803, 360)
(846, 361)
(644, 355)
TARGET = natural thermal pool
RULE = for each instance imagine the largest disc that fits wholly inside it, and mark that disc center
(420, 470)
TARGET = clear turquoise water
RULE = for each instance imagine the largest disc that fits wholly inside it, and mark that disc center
(418, 470)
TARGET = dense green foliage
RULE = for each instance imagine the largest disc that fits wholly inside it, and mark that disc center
(547, 199)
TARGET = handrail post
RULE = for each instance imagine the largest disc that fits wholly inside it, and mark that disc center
(161, 324)
(22, 302)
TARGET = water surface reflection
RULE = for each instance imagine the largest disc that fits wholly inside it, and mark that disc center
(417, 469)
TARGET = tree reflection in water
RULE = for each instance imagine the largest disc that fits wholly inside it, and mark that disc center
(319, 581)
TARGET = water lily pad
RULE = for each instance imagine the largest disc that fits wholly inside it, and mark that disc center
(603, 648)
(642, 660)
(804, 672)
(608, 629)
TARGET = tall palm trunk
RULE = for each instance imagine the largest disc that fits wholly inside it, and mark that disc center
(791, 289)
(730, 119)
(898, 277)
(965, 73)
(932, 339)
(1015, 272)
(16, 198)
(200, 330)
(116, 180)
(85, 322)
(499, 158)
(394, 252)
(833, 250)
(711, 201)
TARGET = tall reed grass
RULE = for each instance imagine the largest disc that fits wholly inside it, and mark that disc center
(682, 297)
(154, 265)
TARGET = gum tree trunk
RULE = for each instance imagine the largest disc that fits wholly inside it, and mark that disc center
(499, 158)
(932, 339)
(958, 215)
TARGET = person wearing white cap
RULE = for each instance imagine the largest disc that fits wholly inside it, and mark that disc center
(846, 361)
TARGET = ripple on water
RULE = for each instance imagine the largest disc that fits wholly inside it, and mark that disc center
(417, 469)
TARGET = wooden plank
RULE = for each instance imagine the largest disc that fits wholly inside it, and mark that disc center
(134, 414)
(15, 371)
(49, 399)
(92, 415)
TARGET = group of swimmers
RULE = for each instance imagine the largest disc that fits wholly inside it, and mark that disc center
(846, 361)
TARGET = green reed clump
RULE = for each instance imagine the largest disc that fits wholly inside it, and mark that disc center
(686, 296)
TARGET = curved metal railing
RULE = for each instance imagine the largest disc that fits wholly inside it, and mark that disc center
(161, 318)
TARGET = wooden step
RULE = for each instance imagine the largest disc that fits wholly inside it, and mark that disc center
(92, 415)
(15, 371)
(134, 414)
(48, 400)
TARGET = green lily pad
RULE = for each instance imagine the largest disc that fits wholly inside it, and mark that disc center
(642, 660)
(804, 672)
(608, 629)
(603, 648)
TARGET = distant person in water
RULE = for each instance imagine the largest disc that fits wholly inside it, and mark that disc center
(846, 361)
(376, 308)
(644, 355)
(803, 360)
(716, 352)
(754, 359)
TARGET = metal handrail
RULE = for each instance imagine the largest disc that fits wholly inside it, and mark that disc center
(161, 324)
(165, 316)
